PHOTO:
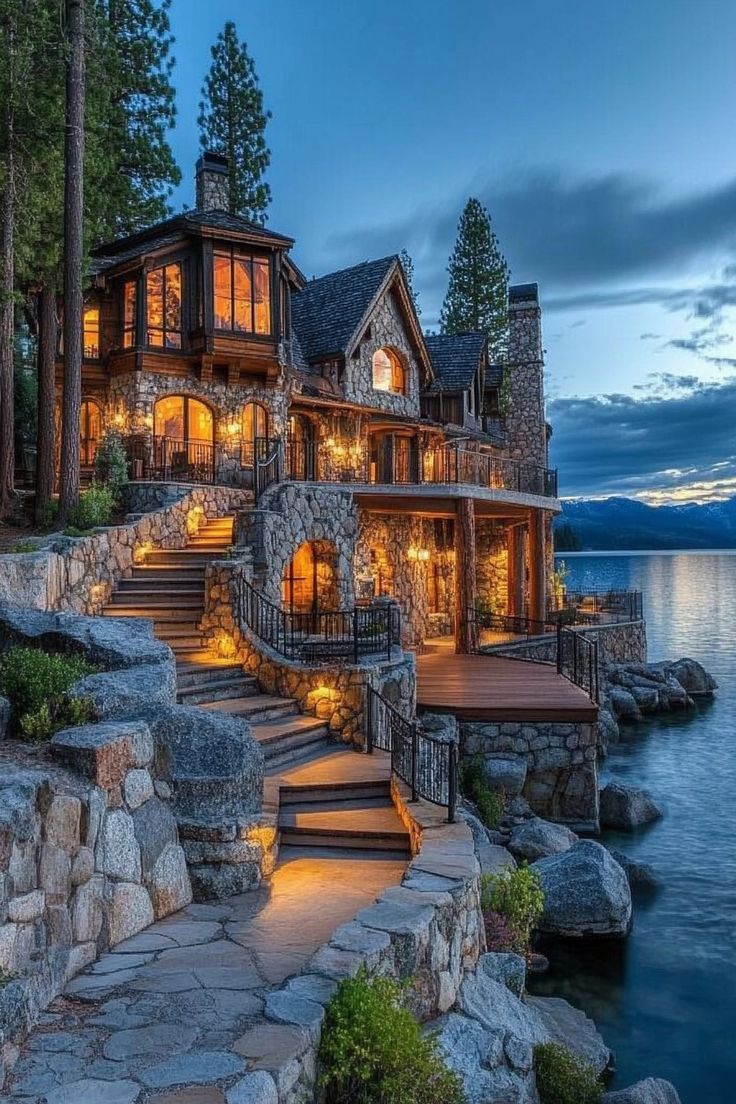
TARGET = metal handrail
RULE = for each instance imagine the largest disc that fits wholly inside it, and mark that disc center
(172, 459)
(319, 637)
(427, 765)
(577, 661)
(600, 604)
(268, 464)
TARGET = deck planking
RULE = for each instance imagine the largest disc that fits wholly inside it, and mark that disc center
(494, 688)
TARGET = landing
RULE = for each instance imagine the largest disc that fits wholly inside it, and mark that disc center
(167, 1008)
(492, 688)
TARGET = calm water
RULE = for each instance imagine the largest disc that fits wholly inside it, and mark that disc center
(665, 1001)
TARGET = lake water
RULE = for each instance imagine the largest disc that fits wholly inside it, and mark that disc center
(665, 1000)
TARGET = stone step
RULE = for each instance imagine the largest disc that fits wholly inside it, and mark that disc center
(159, 600)
(160, 614)
(259, 707)
(318, 794)
(189, 656)
(368, 827)
(217, 690)
(171, 572)
(272, 733)
(197, 674)
(151, 585)
(293, 748)
(173, 556)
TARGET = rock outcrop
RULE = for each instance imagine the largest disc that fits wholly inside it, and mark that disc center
(624, 806)
(586, 893)
(537, 838)
(640, 874)
(652, 1091)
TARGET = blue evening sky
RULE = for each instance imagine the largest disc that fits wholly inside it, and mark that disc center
(599, 135)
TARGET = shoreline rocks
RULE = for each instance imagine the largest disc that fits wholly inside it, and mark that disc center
(652, 1091)
(633, 691)
(624, 806)
(586, 893)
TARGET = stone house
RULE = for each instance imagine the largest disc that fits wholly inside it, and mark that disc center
(220, 363)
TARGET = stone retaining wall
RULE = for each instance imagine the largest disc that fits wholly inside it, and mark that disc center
(622, 643)
(79, 573)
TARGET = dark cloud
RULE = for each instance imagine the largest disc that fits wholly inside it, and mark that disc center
(618, 444)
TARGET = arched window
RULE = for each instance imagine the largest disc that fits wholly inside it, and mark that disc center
(90, 430)
(179, 418)
(388, 372)
(300, 454)
(255, 427)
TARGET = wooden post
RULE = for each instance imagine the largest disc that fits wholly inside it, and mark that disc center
(465, 628)
(537, 567)
(516, 570)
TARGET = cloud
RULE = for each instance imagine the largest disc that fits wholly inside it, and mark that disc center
(655, 444)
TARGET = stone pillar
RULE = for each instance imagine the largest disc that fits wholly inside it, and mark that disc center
(465, 629)
(537, 567)
(515, 540)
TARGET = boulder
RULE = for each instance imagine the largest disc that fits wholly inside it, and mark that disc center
(647, 698)
(507, 969)
(640, 874)
(506, 773)
(692, 677)
(570, 1027)
(476, 1054)
(537, 838)
(652, 1091)
(608, 732)
(492, 857)
(624, 705)
(586, 893)
(623, 806)
(117, 694)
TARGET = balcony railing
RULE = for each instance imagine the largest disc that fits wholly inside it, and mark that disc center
(581, 607)
(577, 660)
(425, 763)
(171, 459)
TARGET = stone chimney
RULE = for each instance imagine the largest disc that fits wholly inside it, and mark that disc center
(526, 430)
(213, 183)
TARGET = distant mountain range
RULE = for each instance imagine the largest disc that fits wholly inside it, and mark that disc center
(623, 523)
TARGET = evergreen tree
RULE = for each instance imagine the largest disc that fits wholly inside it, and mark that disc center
(408, 265)
(477, 292)
(232, 122)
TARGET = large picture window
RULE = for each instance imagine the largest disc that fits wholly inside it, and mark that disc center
(242, 293)
(163, 307)
(129, 311)
(388, 372)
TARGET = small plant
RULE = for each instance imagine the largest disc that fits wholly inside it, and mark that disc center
(47, 514)
(517, 897)
(475, 785)
(563, 1078)
(35, 683)
(111, 464)
(21, 546)
(373, 1051)
(94, 508)
(500, 936)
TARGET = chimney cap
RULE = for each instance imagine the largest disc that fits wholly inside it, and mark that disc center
(210, 161)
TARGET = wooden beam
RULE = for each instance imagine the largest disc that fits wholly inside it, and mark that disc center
(537, 567)
(516, 570)
(465, 627)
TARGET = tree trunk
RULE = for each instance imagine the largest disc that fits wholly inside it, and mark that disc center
(46, 397)
(7, 289)
(466, 632)
(73, 259)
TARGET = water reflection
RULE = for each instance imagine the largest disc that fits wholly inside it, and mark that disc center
(666, 1000)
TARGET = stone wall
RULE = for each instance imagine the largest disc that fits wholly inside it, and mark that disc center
(492, 565)
(387, 329)
(79, 573)
(526, 433)
(622, 643)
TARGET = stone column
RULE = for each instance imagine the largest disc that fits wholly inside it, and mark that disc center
(465, 629)
(516, 571)
(537, 567)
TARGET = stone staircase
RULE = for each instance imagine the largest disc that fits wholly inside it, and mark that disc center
(169, 589)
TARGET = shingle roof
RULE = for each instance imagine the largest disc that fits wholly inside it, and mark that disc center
(327, 311)
(455, 359)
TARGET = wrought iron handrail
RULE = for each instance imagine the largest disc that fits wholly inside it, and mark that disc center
(423, 762)
(268, 464)
(321, 636)
(577, 660)
(511, 624)
(601, 605)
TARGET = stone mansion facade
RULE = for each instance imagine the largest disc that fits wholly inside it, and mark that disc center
(378, 457)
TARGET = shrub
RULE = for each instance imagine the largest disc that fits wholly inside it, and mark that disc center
(372, 1050)
(476, 787)
(500, 936)
(563, 1078)
(94, 508)
(35, 683)
(111, 464)
(517, 896)
(47, 514)
(52, 716)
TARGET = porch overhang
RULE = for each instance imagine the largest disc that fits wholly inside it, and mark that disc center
(439, 499)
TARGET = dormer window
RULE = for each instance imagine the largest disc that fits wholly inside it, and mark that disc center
(388, 372)
(163, 307)
(242, 292)
(91, 333)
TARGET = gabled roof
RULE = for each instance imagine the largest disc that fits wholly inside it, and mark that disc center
(327, 311)
(455, 359)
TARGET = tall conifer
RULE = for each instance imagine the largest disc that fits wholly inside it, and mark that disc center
(232, 122)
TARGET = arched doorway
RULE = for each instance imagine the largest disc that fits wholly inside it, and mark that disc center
(183, 438)
(255, 429)
(90, 431)
(309, 582)
(301, 455)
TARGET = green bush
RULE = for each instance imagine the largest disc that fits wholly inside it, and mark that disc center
(563, 1078)
(517, 896)
(35, 683)
(41, 724)
(373, 1051)
(47, 514)
(94, 508)
(111, 464)
(476, 787)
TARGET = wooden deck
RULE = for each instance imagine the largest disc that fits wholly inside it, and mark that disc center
(492, 688)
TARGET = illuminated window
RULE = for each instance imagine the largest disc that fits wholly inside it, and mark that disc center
(163, 307)
(91, 331)
(388, 372)
(242, 293)
(183, 419)
(90, 430)
(129, 302)
(255, 426)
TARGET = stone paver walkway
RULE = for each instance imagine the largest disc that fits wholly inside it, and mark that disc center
(162, 1016)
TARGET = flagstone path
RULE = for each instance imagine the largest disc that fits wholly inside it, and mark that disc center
(175, 1014)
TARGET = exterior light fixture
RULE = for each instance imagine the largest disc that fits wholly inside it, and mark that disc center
(423, 555)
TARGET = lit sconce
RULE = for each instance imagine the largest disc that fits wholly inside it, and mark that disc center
(98, 594)
(141, 551)
(225, 645)
(119, 421)
(423, 555)
(233, 429)
(330, 442)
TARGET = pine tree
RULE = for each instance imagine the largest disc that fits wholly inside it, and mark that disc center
(477, 292)
(232, 122)
(408, 266)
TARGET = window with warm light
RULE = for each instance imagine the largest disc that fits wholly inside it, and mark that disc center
(91, 333)
(129, 305)
(163, 307)
(388, 372)
(242, 293)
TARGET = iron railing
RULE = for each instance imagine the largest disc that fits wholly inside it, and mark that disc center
(268, 463)
(172, 459)
(423, 762)
(577, 660)
(511, 624)
(582, 607)
(321, 636)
